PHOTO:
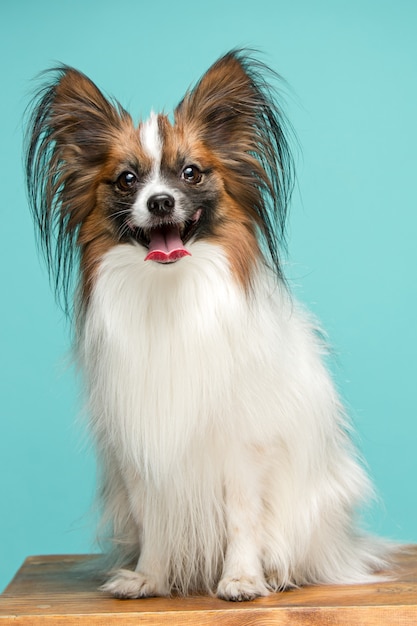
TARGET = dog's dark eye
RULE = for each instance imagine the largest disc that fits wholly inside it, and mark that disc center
(191, 174)
(126, 181)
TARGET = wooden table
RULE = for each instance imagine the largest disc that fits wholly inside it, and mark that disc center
(56, 590)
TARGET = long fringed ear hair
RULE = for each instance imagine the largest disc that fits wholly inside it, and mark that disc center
(233, 110)
(70, 133)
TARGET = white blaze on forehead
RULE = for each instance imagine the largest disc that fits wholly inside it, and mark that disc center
(154, 183)
(151, 138)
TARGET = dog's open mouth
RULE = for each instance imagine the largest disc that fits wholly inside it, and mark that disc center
(166, 242)
(166, 245)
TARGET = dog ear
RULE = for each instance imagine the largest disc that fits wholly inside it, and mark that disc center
(73, 118)
(234, 112)
(222, 107)
(71, 131)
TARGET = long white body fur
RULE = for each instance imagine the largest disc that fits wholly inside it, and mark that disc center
(225, 456)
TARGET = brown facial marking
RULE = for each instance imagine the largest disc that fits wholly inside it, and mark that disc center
(237, 238)
(233, 227)
(98, 233)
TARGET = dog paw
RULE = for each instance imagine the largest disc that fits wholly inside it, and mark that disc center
(126, 584)
(241, 589)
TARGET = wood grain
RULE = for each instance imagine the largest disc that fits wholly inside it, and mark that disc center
(62, 590)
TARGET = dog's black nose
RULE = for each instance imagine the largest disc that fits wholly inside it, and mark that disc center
(161, 204)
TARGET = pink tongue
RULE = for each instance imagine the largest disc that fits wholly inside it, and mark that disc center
(166, 245)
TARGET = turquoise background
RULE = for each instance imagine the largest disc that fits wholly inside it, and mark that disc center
(352, 68)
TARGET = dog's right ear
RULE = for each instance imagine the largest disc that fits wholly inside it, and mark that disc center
(71, 114)
(71, 131)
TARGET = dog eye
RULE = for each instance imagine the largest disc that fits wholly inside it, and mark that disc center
(191, 174)
(126, 181)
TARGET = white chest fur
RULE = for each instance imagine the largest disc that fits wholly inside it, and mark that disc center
(162, 346)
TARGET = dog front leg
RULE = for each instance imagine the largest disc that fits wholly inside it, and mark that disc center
(150, 577)
(242, 577)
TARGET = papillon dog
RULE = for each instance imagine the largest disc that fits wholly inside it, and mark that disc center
(226, 461)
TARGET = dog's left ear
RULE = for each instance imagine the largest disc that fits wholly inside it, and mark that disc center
(224, 104)
(233, 111)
